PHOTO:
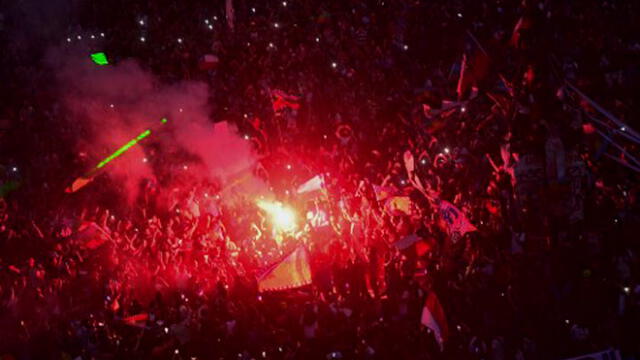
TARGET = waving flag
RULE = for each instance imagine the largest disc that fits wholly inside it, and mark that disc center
(384, 192)
(138, 320)
(475, 65)
(282, 100)
(291, 272)
(399, 204)
(91, 236)
(433, 318)
(313, 184)
(456, 221)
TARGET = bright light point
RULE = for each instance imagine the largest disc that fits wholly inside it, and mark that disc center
(93, 36)
(405, 47)
(423, 162)
(179, 40)
(102, 34)
(317, 39)
(324, 136)
(144, 160)
(111, 106)
(246, 137)
(180, 109)
(463, 109)
(176, 351)
(460, 15)
(14, 169)
(141, 22)
(284, 3)
(270, 45)
(288, 166)
(334, 65)
(210, 27)
(79, 37)
(253, 10)
(142, 39)
(623, 128)
(68, 39)
(283, 218)
(206, 21)
(626, 289)
(185, 167)
(446, 150)
(215, 18)
(286, 192)
(566, 321)
(276, 25)
(402, 182)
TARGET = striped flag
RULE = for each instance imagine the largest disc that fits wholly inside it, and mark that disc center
(434, 319)
(291, 272)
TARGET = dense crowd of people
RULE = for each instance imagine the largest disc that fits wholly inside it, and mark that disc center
(551, 271)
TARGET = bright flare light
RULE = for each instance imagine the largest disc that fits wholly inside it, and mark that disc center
(283, 218)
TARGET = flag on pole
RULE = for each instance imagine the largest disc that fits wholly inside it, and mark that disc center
(91, 236)
(282, 100)
(434, 319)
(474, 67)
(313, 184)
(291, 272)
(455, 219)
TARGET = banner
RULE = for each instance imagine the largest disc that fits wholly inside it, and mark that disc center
(603, 355)
(291, 272)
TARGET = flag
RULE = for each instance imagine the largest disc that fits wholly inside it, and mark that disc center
(383, 192)
(230, 13)
(78, 184)
(455, 219)
(313, 184)
(208, 62)
(138, 320)
(91, 236)
(400, 204)
(100, 58)
(433, 318)
(282, 100)
(474, 67)
(406, 241)
(291, 272)
(523, 25)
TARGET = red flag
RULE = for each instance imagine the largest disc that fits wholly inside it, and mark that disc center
(138, 320)
(282, 100)
(474, 67)
(91, 236)
(291, 272)
(433, 318)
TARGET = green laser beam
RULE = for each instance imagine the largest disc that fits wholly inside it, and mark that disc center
(124, 148)
(100, 58)
(127, 146)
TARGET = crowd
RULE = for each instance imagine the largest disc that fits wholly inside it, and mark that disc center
(550, 273)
